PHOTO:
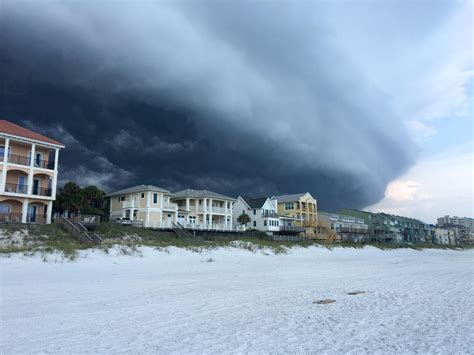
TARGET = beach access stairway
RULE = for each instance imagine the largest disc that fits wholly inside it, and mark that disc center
(79, 231)
(181, 231)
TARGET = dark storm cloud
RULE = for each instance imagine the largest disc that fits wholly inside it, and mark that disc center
(241, 98)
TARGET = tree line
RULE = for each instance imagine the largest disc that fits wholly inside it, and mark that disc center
(85, 200)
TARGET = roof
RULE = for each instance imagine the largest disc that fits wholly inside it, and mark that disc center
(15, 130)
(200, 193)
(139, 188)
(254, 202)
(289, 198)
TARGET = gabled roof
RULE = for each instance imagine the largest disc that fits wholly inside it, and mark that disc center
(290, 198)
(199, 194)
(254, 202)
(139, 188)
(15, 130)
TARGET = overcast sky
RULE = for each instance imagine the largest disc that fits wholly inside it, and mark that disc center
(365, 104)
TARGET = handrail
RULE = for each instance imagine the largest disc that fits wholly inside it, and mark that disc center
(71, 227)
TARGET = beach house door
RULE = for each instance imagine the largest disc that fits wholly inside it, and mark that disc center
(35, 186)
(31, 214)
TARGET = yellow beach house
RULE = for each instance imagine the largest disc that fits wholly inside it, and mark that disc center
(149, 205)
(298, 212)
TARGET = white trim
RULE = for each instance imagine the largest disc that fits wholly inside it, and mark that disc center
(30, 140)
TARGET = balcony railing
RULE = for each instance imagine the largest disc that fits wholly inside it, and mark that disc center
(42, 191)
(169, 205)
(16, 188)
(211, 210)
(309, 223)
(35, 218)
(10, 217)
(352, 230)
(269, 215)
(37, 163)
(291, 229)
(18, 159)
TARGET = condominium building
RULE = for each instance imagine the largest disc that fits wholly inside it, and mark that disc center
(390, 228)
(203, 209)
(298, 212)
(456, 221)
(29, 174)
(149, 205)
(347, 228)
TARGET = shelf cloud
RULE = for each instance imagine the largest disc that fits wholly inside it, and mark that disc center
(237, 97)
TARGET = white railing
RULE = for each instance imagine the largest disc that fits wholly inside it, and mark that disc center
(217, 210)
(128, 204)
(212, 209)
(170, 205)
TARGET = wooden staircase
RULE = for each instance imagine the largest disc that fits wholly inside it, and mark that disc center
(181, 231)
(79, 231)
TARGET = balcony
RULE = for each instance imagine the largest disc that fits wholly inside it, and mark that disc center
(291, 229)
(203, 209)
(270, 215)
(308, 223)
(22, 160)
(170, 205)
(352, 230)
(16, 188)
(128, 204)
(10, 217)
(42, 191)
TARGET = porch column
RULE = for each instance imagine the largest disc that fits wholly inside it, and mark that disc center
(29, 186)
(148, 204)
(187, 204)
(24, 210)
(210, 204)
(49, 212)
(210, 221)
(5, 160)
(54, 183)
(204, 220)
(161, 200)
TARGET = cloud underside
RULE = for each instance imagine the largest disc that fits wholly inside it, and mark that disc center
(212, 97)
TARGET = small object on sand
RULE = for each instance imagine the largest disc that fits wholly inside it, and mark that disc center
(326, 301)
(355, 293)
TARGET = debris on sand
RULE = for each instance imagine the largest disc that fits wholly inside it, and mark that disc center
(326, 301)
(355, 293)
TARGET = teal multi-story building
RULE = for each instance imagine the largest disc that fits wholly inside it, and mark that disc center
(388, 228)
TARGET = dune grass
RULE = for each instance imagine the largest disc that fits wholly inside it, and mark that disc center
(52, 238)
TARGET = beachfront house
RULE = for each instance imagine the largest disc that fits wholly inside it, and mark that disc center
(298, 213)
(262, 213)
(203, 209)
(29, 174)
(144, 205)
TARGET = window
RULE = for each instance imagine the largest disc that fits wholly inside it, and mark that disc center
(265, 222)
(143, 195)
(2, 151)
(254, 223)
(289, 205)
(155, 198)
(5, 208)
(121, 198)
(254, 211)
